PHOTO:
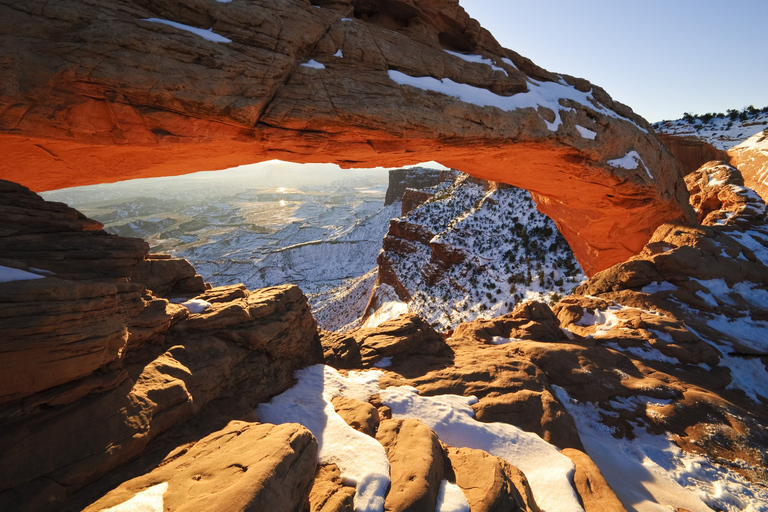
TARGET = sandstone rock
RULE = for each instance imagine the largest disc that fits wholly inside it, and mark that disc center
(416, 462)
(95, 366)
(274, 320)
(340, 350)
(752, 161)
(401, 180)
(328, 493)
(691, 152)
(75, 114)
(55, 332)
(242, 467)
(399, 338)
(719, 197)
(530, 320)
(490, 483)
(595, 493)
(359, 415)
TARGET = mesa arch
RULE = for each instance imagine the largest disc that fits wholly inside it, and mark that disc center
(94, 94)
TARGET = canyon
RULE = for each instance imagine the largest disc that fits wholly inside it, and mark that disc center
(129, 383)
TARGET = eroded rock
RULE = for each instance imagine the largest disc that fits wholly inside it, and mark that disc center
(88, 106)
(243, 467)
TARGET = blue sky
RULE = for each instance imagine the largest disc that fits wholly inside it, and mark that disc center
(660, 57)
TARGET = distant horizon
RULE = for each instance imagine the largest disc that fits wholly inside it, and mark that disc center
(662, 59)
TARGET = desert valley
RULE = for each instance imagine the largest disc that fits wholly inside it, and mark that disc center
(347, 255)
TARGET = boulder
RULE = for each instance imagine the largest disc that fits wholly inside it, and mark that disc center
(490, 483)
(359, 415)
(328, 493)
(82, 102)
(245, 466)
(416, 462)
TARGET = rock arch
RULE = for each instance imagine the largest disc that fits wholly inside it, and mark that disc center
(95, 94)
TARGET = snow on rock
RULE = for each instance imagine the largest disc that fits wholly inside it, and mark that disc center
(650, 470)
(450, 498)
(630, 161)
(196, 305)
(586, 132)
(479, 59)
(549, 472)
(390, 307)
(361, 459)
(722, 131)
(339, 54)
(312, 63)
(8, 274)
(540, 94)
(454, 272)
(208, 34)
(149, 500)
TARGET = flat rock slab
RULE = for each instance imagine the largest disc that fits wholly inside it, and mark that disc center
(244, 467)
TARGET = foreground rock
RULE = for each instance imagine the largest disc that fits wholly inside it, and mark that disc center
(242, 467)
(286, 81)
(95, 365)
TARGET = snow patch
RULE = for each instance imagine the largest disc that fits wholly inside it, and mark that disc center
(499, 340)
(148, 500)
(651, 474)
(196, 305)
(540, 94)
(450, 498)
(8, 274)
(509, 62)
(361, 459)
(658, 286)
(630, 161)
(312, 63)
(586, 132)
(384, 362)
(549, 472)
(208, 35)
(478, 59)
(339, 54)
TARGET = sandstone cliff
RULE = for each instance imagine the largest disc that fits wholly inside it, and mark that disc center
(98, 92)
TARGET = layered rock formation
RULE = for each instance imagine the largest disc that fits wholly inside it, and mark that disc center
(361, 84)
(95, 365)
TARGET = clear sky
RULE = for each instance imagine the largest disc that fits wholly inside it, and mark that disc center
(661, 57)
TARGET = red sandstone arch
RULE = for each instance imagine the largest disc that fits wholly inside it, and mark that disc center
(98, 94)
